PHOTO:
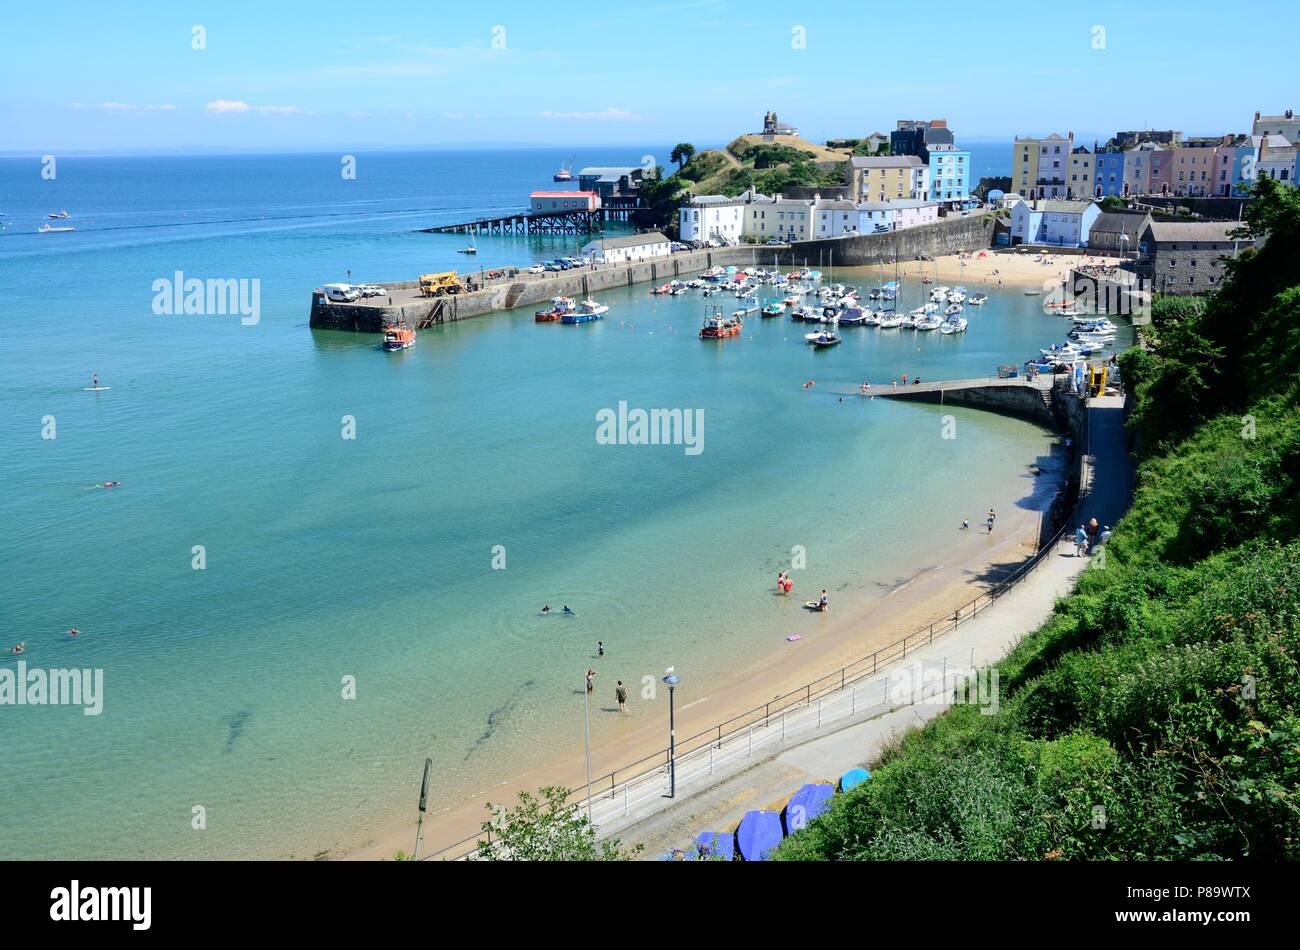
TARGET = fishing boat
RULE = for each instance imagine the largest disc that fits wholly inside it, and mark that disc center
(58, 215)
(46, 229)
(773, 310)
(587, 311)
(718, 327)
(558, 308)
(400, 337)
(953, 325)
(566, 171)
(978, 300)
(822, 339)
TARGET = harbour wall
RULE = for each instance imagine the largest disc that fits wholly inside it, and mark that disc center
(948, 236)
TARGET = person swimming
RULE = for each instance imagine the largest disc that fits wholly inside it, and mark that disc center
(73, 632)
(567, 611)
(546, 609)
(19, 648)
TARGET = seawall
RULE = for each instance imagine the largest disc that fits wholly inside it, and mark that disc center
(947, 236)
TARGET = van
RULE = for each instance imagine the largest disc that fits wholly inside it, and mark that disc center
(341, 293)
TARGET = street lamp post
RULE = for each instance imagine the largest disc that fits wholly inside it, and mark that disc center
(671, 681)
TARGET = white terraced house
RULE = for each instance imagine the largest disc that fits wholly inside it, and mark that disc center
(712, 218)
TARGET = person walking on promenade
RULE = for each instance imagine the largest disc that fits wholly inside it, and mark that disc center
(1093, 530)
(1080, 541)
(620, 693)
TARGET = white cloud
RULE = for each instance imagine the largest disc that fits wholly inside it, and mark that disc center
(234, 105)
(460, 116)
(125, 107)
(227, 105)
(609, 115)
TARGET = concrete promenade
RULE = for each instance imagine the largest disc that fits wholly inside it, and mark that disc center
(830, 736)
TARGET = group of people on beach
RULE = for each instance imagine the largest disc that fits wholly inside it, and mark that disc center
(989, 519)
(1087, 537)
(620, 691)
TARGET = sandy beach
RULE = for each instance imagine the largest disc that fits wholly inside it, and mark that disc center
(830, 642)
(993, 268)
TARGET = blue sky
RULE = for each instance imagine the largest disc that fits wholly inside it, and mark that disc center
(293, 74)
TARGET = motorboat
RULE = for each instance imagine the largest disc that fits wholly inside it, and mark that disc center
(930, 321)
(666, 288)
(558, 308)
(890, 321)
(749, 306)
(46, 229)
(823, 339)
(587, 311)
(791, 301)
(977, 300)
(400, 337)
(718, 327)
(953, 325)
(773, 310)
(938, 294)
(58, 215)
(852, 317)
(951, 309)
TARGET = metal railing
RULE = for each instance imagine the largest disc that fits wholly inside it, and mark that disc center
(824, 697)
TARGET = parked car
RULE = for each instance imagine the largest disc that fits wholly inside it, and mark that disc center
(537, 269)
(774, 242)
(679, 246)
(551, 266)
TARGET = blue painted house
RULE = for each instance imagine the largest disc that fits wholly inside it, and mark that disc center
(949, 173)
(1109, 173)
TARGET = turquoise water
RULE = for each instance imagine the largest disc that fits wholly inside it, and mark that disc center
(372, 557)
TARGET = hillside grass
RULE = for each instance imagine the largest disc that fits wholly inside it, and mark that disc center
(1154, 716)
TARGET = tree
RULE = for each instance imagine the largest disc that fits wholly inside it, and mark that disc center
(545, 828)
(682, 153)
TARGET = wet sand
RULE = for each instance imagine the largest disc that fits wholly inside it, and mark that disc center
(830, 642)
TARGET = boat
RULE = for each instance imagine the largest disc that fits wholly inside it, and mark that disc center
(805, 805)
(716, 326)
(1032, 292)
(953, 325)
(823, 339)
(956, 297)
(400, 337)
(853, 778)
(666, 288)
(566, 171)
(758, 834)
(939, 293)
(715, 846)
(470, 248)
(952, 308)
(58, 215)
(889, 321)
(852, 317)
(978, 300)
(558, 308)
(930, 321)
(750, 306)
(46, 229)
(773, 310)
(806, 315)
(587, 311)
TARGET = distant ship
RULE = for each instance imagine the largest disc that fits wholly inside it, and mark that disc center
(566, 171)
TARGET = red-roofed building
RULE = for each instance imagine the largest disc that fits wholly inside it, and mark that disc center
(554, 202)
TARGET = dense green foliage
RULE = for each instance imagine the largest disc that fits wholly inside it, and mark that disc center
(544, 828)
(1156, 715)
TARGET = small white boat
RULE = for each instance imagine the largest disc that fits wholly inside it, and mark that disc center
(822, 339)
(890, 321)
(46, 229)
(953, 325)
(929, 321)
(58, 215)
(938, 294)
(978, 300)
(590, 306)
(951, 309)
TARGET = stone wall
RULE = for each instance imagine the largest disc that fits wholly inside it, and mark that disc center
(946, 236)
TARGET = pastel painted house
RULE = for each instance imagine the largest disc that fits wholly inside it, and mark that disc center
(875, 217)
(712, 218)
(1056, 223)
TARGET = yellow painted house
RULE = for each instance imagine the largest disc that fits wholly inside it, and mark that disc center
(889, 176)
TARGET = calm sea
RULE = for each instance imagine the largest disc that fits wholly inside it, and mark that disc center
(375, 560)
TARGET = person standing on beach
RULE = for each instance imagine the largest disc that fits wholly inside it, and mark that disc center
(620, 693)
(591, 680)
(600, 648)
(993, 516)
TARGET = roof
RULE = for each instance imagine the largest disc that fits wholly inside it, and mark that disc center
(1060, 206)
(698, 200)
(1119, 222)
(607, 172)
(885, 161)
(631, 240)
(835, 204)
(1162, 231)
(563, 194)
(896, 204)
